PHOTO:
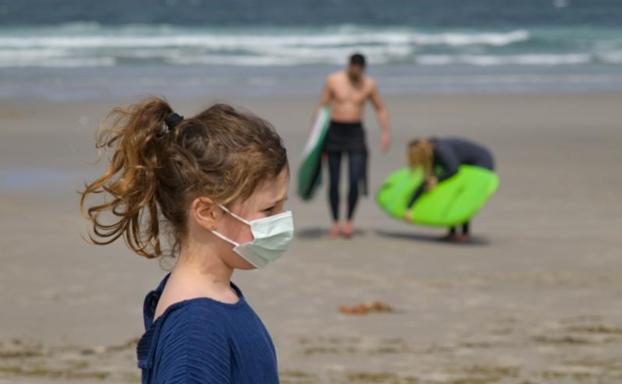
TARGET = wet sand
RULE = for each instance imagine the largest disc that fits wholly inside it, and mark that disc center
(535, 299)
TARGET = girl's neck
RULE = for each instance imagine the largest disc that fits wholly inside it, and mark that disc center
(200, 272)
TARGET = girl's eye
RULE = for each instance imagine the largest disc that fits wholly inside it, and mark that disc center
(269, 210)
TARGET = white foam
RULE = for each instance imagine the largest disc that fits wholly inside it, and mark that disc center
(611, 57)
(490, 60)
(127, 38)
(65, 62)
(462, 39)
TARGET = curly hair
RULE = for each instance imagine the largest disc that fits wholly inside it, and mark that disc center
(155, 173)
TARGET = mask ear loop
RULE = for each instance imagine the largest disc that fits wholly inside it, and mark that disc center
(228, 240)
(234, 215)
(235, 244)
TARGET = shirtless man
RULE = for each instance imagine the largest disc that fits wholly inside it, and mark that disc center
(345, 93)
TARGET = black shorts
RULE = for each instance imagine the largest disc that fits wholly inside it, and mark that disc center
(345, 137)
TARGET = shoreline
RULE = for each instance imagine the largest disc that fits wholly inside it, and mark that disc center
(119, 83)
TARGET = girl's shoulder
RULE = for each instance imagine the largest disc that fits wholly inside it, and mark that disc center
(190, 316)
(184, 327)
(186, 300)
(190, 340)
(200, 310)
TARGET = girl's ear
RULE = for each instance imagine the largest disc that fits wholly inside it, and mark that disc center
(205, 213)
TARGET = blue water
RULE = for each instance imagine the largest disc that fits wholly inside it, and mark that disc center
(74, 49)
(313, 13)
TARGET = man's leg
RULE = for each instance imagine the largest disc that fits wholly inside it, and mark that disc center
(334, 170)
(356, 162)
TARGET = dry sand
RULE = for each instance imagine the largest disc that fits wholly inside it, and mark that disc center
(536, 299)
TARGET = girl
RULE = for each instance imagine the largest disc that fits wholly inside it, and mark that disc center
(215, 184)
(440, 160)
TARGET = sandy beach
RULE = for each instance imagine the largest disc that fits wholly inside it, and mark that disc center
(535, 299)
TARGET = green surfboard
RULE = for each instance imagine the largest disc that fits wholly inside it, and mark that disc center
(452, 202)
(310, 170)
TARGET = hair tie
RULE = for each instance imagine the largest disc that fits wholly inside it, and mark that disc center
(170, 122)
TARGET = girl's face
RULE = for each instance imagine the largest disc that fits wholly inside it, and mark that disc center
(267, 200)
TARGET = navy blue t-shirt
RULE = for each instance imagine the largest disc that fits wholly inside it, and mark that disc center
(202, 340)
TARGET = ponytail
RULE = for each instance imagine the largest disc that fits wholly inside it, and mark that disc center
(135, 137)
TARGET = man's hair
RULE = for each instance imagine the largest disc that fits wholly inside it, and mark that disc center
(358, 59)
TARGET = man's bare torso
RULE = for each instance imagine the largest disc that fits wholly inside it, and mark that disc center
(348, 99)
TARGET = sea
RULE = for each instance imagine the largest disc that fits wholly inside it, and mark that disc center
(77, 49)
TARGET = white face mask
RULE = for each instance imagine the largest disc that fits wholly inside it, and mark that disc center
(271, 238)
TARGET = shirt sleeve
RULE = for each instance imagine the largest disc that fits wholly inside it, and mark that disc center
(445, 156)
(195, 350)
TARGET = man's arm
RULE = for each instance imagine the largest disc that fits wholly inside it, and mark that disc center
(325, 97)
(383, 116)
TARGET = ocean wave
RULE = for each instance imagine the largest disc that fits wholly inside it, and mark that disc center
(524, 59)
(462, 39)
(221, 40)
(96, 45)
(610, 57)
(52, 59)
